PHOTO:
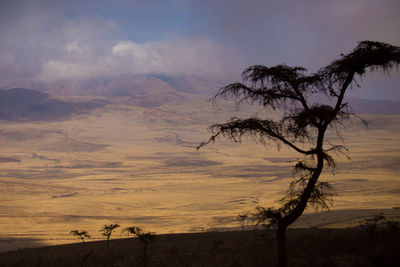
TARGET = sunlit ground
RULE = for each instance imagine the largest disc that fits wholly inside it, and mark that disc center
(137, 166)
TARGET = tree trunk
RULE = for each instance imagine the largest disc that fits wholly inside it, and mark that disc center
(145, 255)
(281, 239)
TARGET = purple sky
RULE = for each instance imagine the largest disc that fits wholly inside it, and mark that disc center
(52, 40)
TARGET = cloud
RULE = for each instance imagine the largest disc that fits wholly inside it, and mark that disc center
(310, 33)
(174, 57)
(195, 56)
(34, 42)
(41, 41)
(307, 32)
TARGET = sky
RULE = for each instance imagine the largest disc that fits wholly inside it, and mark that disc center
(53, 40)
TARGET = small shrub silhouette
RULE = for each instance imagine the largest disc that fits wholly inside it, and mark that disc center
(81, 235)
(107, 231)
(378, 223)
(242, 219)
(144, 237)
(392, 225)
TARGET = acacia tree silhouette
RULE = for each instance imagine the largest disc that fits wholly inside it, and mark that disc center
(107, 231)
(81, 235)
(144, 237)
(304, 123)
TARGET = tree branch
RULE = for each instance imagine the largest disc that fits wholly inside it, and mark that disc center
(236, 128)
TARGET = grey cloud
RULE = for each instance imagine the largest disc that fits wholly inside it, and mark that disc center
(40, 42)
(36, 33)
(177, 57)
(306, 32)
(309, 33)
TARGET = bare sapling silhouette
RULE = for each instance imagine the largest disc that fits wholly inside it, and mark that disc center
(242, 219)
(107, 231)
(304, 123)
(81, 235)
(144, 237)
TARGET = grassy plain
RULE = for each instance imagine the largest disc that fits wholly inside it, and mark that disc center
(132, 165)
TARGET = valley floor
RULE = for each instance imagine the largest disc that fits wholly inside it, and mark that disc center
(133, 165)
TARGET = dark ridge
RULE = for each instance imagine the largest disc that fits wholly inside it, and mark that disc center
(20, 104)
(386, 107)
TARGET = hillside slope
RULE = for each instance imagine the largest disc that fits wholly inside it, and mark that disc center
(306, 247)
(21, 104)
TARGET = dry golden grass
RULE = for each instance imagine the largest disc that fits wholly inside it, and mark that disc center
(133, 165)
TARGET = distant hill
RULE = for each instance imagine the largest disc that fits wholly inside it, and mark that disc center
(142, 90)
(154, 90)
(123, 85)
(374, 106)
(21, 104)
(365, 106)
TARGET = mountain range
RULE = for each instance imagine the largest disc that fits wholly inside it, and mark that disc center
(35, 101)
